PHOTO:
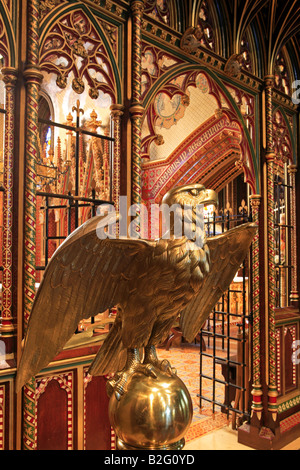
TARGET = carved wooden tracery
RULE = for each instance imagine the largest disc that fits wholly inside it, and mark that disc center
(155, 62)
(178, 87)
(205, 23)
(74, 45)
(281, 74)
(159, 9)
(281, 139)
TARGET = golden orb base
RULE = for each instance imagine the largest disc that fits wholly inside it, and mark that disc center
(176, 446)
(152, 414)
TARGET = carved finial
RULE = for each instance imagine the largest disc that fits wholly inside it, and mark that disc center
(233, 65)
(92, 123)
(191, 39)
(77, 109)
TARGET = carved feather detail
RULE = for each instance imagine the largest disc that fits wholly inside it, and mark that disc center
(150, 283)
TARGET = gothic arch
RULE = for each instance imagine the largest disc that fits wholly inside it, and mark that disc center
(234, 114)
(208, 155)
(113, 77)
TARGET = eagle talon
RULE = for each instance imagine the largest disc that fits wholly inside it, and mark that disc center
(152, 359)
(118, 385)
(149, 370)
(165, 366)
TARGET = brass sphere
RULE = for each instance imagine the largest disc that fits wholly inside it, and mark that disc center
(154, 413)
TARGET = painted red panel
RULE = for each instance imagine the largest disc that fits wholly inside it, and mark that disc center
(52, 425)
(97, 426)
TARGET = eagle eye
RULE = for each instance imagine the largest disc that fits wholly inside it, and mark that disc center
(194, 192)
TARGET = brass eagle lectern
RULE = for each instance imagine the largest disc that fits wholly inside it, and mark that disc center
(151, 283)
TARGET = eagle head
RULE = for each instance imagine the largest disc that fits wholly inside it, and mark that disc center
(190, 195)
(185, 212)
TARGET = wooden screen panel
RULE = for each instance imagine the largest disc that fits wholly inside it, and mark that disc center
(97, 425)
(55, 404)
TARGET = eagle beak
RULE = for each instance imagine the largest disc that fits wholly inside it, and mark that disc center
(207, 197)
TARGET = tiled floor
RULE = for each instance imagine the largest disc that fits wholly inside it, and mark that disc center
(226, 439)
(221, 439)
(208, 431)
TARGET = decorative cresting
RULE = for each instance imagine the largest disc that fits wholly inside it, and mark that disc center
(73, 46)
(136, 109)
(257, 406)
(9, 78)
(270, 157)
(150, 283)
(33, 79)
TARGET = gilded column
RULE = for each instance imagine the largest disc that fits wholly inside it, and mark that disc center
(256, 392)
(116, 114)
(270, 156)
(294, 297)
(33, 79)
(10, 79)
(136, 110)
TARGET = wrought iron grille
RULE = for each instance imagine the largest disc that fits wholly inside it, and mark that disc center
(224, 339)
(282, 234)
(70, 202)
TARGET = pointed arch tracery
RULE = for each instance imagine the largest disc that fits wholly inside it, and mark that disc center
(210, 154)
(225, 103)
(283, 141)
(74, 45)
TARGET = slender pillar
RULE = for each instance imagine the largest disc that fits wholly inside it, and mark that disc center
(6, 326)
(116, 114)
(257, 406)
(294, 296)
(33, 79)
(136, 109)
(269, 157)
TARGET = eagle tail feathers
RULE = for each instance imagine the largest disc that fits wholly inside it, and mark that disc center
(108, 358)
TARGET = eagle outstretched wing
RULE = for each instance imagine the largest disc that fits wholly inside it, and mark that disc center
(85, 276)
(227, 252)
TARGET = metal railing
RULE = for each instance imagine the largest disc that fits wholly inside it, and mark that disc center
(67, 202)
(224, 357)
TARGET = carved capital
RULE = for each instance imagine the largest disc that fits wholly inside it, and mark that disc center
(292, 169)
(270, 156)
(269, 80)
(116, 111)
(137, 7)
(33, 74)
(6, 326)
(9, 76)
(136, 110)
(255, 200)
